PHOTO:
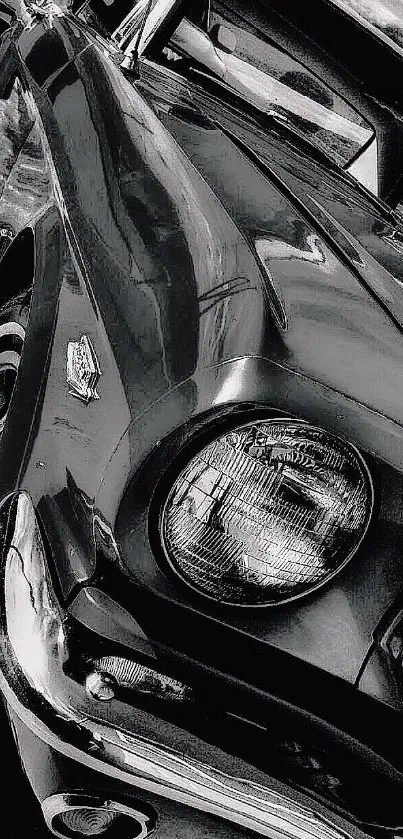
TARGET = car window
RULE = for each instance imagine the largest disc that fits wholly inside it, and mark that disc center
(235, 45)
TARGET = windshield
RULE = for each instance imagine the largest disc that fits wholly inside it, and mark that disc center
(235, 44)
(232, 41)
(384, 15)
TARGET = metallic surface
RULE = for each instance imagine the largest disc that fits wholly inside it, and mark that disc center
(34, 651)
(83, 372)
(100, 686)
(142, 824)
(257, 517)
(219, 271)
(153, 256)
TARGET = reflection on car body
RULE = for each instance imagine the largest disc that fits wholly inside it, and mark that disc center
(201, 369)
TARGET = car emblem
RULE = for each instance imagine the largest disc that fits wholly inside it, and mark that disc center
(83, 371)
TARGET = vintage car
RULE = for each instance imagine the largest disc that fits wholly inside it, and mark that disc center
(201, 409)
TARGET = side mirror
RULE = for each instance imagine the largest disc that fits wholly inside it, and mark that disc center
(223, 37)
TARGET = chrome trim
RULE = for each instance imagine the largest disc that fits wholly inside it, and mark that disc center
(59, 803)
(113, 737)
(82, 370)
(128, 26)
(154, 22)
(100, 686)
(289, 597)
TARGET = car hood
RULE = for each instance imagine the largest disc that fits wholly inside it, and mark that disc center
(259, 174)
(330, 251)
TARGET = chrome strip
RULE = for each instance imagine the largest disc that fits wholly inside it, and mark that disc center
(114, 738)
(154, 22)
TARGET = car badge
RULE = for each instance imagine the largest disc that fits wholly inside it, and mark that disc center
(83, 371)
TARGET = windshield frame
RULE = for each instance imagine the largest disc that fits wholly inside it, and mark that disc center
(218, 77)
(156, 20)
(366, 24)
(164, 9)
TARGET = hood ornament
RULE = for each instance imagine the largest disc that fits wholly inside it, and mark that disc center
(83, 371)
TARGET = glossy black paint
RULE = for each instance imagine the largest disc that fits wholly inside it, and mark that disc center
(218, 270)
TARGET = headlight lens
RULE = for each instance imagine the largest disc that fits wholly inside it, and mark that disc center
(267, 512)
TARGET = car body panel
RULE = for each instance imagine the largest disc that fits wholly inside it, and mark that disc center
(120, 199)
(218, 270)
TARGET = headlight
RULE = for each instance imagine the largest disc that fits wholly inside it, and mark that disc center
(267, 512)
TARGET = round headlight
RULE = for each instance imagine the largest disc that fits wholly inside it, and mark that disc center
(267, 512)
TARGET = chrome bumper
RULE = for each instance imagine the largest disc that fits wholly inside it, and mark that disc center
(112, 737)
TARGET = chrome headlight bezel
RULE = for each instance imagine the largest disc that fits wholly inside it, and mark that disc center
(203, 441)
